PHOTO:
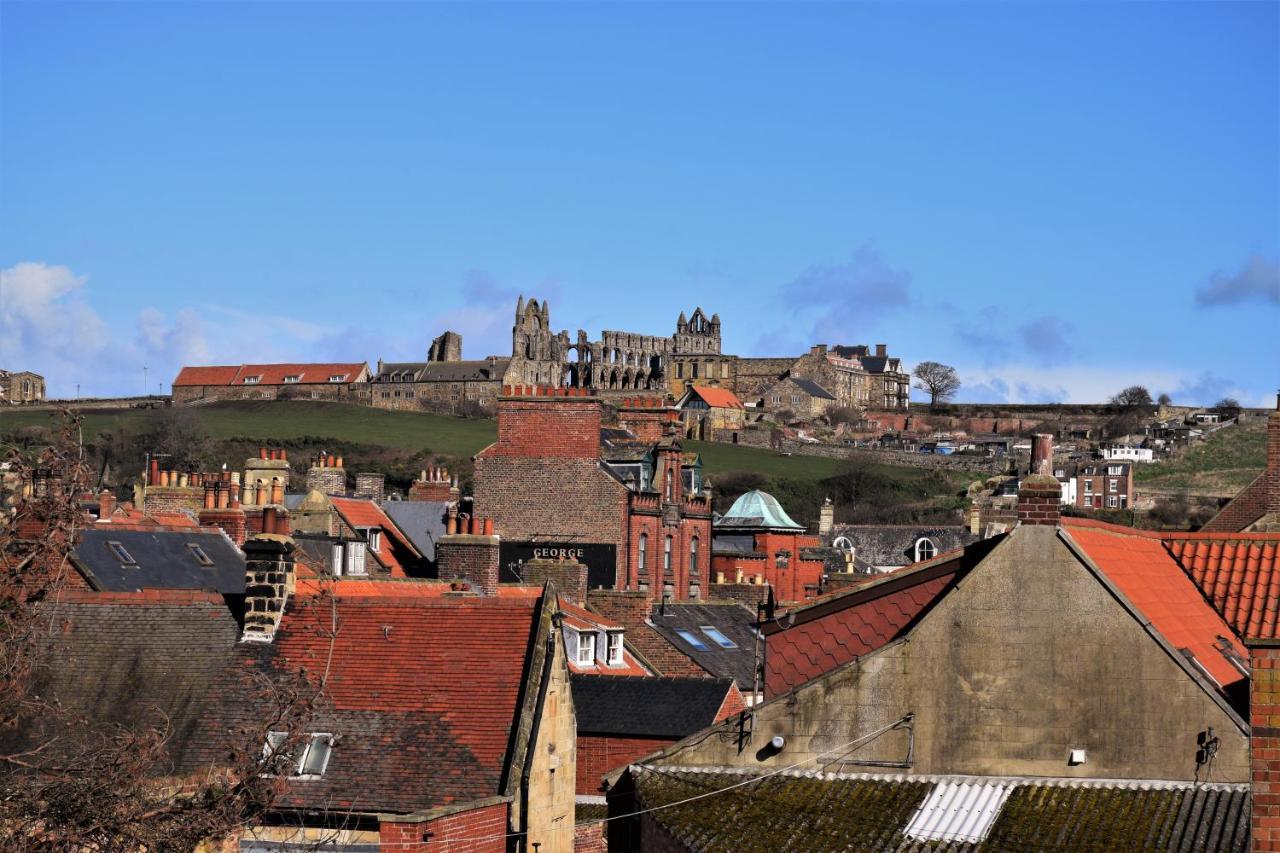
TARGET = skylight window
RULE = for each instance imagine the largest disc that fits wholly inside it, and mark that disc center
(718, 638)
(121, 554)
(198, 553)
(308, 760)
(693, 640)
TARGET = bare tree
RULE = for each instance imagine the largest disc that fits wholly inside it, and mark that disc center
(1228, 407)
(69, 781)
(940, 380)
(1164, 400)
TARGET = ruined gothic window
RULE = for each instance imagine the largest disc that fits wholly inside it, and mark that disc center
(642, 555)
(666, 554)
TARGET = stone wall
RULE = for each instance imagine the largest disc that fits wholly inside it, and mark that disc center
(1029, 657)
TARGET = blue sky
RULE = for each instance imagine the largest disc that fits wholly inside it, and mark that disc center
(1058, 199)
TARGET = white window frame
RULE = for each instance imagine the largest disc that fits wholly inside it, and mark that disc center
(252, 380)
(925, 543)
(338, 377)
(642, 552)
(718, 637)
(693, 555)
(293, 379)
(614, 648)
(313, 739)
(374, 537)
(355, 558)
(1113, 486)
(586, 655)
(667, 548)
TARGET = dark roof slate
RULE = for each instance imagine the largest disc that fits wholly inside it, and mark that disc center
(812, 388)
(423, 522)
(731, 619)
(647, 706)
(164, 559)
(816, 811)
(895, 545)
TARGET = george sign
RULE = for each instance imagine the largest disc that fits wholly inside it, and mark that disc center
(601, 560)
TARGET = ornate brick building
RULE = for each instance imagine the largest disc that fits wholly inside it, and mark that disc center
(632, 509)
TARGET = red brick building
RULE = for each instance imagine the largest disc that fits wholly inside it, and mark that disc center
(627, 503)
(757, 542)
(1105, 485)
(347, 382)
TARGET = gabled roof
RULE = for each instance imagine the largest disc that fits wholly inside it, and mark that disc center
(882, 813)
(647, 707)
(1239, 573)
(757, 509)
(729, 618)
(424, 686)
(363, 512)
(119, 559)
(223, 375)
(716, 398)
(813, 389)
(1144, 571)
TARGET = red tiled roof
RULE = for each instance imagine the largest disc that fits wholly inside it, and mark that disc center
(450, 669)
(584, 620)
(362, 512)
(718, 398)
(1239, 574)
(1143, 570)
(206, 375)
(274, 374)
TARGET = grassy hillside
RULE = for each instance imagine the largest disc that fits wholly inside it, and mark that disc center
(1222, 464)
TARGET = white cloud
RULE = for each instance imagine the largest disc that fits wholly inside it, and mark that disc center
(1035, 384)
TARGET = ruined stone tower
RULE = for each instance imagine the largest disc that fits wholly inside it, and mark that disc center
(447, 347)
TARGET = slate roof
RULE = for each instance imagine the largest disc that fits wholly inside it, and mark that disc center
(443, 371)
(865, 812)
(163, 559)
(423, 686)
(895, 544)
(757, 510)
(813, 389)
(731, 619)
(1144, 571)
(422, 522)
(651, 706)
(138, 660)
(1239, 574)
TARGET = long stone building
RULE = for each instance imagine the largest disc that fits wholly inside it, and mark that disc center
(617, 365)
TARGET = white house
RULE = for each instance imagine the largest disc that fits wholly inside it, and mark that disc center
(1129, 454)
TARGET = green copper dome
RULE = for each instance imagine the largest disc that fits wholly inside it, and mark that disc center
(758, 509)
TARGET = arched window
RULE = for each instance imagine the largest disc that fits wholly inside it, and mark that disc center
(693, 556)
(666, 554)
(925, 549)
(642, 555)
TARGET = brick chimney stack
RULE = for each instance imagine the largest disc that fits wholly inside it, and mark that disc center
(433, 484)
(269, 581)
(540, 421)
(469, 554)
(1040, 493)
(326, 475)
(629, 607)
(106, 505)
(646, 417)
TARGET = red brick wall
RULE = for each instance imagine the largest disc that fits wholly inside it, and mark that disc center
(796, 581)
(473, 831)
(1264, 746)
(474, 558)
(548, 427)
(1039, 500)
(599, 755)
(590, 838)
(733, 704)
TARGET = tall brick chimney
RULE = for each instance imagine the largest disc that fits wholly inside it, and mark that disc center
(629, 607)
(269, 581)
(569, 576)
(106, 505)
(470, 555)
(1040, 493)
(547, 422)
(326, 475)
(370, 485)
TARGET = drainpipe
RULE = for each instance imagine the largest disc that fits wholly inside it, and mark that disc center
(548, 660)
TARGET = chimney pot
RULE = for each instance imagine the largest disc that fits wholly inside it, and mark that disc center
(235, 495)
(262, 453)
(153, 473)
(488, 527)
(209, 497)
(339, 463)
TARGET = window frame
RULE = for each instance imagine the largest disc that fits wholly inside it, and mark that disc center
(717, 636)
(586, 643)
(668, 550)
(692, 639)
(642, 552)
(121, 553)
(614, 648)
(199, 555)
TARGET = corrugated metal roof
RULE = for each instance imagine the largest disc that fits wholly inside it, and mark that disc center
(959, 811)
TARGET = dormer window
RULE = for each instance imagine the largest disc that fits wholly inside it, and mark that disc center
(1114, 471)
(198, 554)
(293, 378)
(338, 377)
(586, 649)
(925, 549)
(121, 554)
(373, 535)
(614, 657)
(252, 380)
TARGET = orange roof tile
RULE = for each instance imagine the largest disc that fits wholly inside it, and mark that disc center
(206, 375)
(362, 512)
(1140, 567)
(274, 374)
(718, 398)
(1240, 575)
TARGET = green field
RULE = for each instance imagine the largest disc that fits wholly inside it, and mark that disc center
(446, 436)
(1221, 465)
